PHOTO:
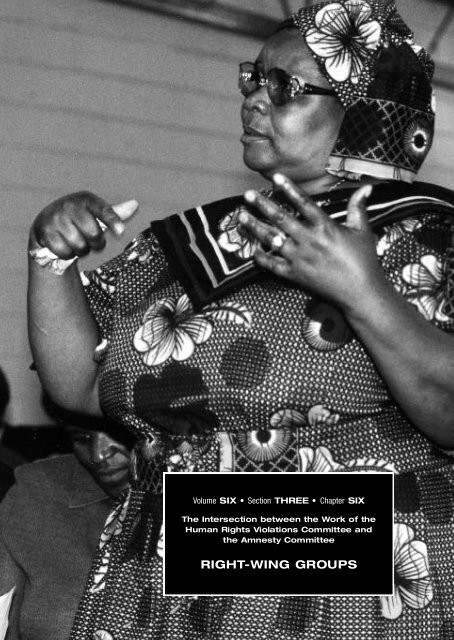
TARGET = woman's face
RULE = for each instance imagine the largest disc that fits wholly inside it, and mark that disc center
(296, 138)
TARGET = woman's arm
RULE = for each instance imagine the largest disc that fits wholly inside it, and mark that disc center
(63, 337)
(415, 358)
(62, 330)
(339, 263)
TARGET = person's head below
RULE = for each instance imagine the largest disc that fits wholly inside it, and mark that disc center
(100, 446)
(340, 91)
(104, 457)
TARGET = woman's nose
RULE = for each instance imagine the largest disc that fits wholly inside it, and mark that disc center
(258, 100)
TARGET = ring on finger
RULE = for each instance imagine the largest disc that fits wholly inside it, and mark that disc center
(277, 241)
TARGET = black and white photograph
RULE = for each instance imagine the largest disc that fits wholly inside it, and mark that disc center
(227, 248)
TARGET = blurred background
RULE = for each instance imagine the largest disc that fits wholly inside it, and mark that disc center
(138, 99)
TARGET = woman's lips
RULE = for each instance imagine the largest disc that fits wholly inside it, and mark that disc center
(252, 135)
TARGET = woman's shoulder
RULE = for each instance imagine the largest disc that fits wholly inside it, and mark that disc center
(415, 248)
(392, 202)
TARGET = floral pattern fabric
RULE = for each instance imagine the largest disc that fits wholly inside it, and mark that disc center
(413, 586)
(224, 389)
(171, 329)
(343, 36)
(232, 238)
(427, 280)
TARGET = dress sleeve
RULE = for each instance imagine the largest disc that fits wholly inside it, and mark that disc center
(100, 286)
(106, 286)
(417, 254)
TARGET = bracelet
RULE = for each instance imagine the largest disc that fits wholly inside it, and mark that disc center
(45, 258)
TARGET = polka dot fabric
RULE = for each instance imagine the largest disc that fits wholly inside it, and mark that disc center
(267, 378)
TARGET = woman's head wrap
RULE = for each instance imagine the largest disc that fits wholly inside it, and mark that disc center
(383, 80)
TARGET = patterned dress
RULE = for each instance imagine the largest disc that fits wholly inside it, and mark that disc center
(266, 378)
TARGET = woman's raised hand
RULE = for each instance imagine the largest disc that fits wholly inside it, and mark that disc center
(331, 260)
(72, 226)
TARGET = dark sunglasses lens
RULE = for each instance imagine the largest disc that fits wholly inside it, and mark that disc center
(247, 79)
(278, 83)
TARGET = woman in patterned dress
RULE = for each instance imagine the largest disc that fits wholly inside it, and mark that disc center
(195, 357)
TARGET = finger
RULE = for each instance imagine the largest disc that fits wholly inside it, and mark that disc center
(85, 199)
(103, 211)
(56, 244)
(274, 213)
(357, 211)
(74, 238)
(93, 227)
(265, 234)
(311, 212)
(261, 231)
(113, 216)
(90, 228)
(109, 219)
(272, 262)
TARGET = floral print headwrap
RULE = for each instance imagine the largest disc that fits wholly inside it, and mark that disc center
(383, 81)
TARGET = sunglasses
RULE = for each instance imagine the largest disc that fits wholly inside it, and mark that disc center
(282, 87)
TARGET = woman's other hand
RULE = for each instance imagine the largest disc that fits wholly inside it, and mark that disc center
(339, 262)
(73, 225)
(331, 260)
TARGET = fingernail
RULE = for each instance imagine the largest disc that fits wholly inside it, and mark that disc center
(250, 195)
(364, 192)
(125, 209)
(243, 217)
(279, 179)
(119, 228)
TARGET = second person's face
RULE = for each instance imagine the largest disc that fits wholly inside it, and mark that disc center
(296, 138)
(106, 459)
